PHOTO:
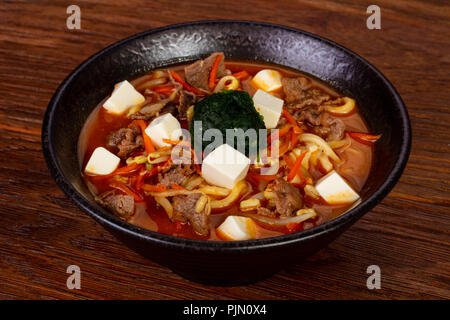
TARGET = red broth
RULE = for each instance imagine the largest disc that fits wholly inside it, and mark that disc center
(355, 167)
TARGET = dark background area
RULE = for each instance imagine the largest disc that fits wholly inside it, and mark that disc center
(42, 232)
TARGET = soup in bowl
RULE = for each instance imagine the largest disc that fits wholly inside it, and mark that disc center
(313, 151)
(226, 150)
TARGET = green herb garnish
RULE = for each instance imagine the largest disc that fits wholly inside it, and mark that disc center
(229, 109)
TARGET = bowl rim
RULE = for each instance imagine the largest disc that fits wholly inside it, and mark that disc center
(107, 219)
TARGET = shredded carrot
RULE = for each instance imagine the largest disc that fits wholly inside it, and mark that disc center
(154, 188)
(177, 187)
(164, 165)
(132, 181)
(177, 142)
(294, 139)
(296, 168)
(297, 130)
(197, 165)
(143, 174)
(152, 172)
(187, 86)
(165, 89)
(169, 141)
(365, 138)
(241, 75)
(125, 189)
(198, 169)
(213, 73)
(281, 132)
(294, 227)
(289, 162)
(284, 147)
(164, 148)
(120, 171)
(127, 169)
(261, 177)
(290, 118)
(147, 141)
(140, 180)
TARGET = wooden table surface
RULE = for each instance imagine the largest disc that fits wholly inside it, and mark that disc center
(42, 232)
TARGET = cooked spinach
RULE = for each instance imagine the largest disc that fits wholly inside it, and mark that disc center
(229, 109)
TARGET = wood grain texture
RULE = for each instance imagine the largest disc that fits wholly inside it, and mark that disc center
(42, 231)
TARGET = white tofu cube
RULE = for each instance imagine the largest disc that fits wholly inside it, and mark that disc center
(335, 190)
(269, 107)
(237, 228)
(164, 127)
(122, 98)
(268, 80)
(102, 162)
(225, 166)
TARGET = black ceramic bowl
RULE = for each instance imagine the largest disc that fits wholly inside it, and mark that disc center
(225, 263)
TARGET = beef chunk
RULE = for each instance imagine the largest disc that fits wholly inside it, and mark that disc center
(169, 108)
(197, 73)
(153, 110)
(287, 197)
(293, 88)
(121, 205)
(298, 91)
(177, 174)
(186, 100)
(141, 116)
(126, 141)
(330, 128)
(322, 123)
(184, 210)
(267, 212)
(310, 116)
